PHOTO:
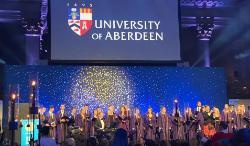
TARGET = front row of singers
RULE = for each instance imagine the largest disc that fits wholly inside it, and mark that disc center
(188, 126)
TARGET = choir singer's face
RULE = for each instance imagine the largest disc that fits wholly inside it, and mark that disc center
(74, 111)
(163, 110)
(207, 109)
(150, 110)
(137, 111)
(101, 115)
(111, 108)
(86, 107)
(226, 106)
(198, 103)
(95, 113)
(123, 109)
(52, 110)
(62, 107)
(98, 110)
(43, 110)
(189, 110)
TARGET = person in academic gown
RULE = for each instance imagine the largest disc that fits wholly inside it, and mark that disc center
(43, 118)
(111, 117)
(100, 126)
(199, 122)
(198, 107)
(177, 125)
(137, 127)
(229, 117)
(233, 110)
(123, 119)
(99, 123)
(52, 122)
(61, 119)
(163, 125)
(73, 118)
(94, 118)
(150, 125)
(207, 114)
(216, 118)
(208, 127)
(241, 114)
(84, 121)
(248, 117)
(191, 125)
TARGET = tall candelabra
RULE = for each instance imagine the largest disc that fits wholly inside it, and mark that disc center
(13, 124)
(33, 111)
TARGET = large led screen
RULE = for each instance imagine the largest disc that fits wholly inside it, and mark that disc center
(114, 30)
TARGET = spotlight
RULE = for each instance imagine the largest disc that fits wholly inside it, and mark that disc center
(13, 97)
(33, 83)
(175, 101)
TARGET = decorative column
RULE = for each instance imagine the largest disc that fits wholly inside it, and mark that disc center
(34, 32)
(44, 37)
(32, 43)
(205, 27)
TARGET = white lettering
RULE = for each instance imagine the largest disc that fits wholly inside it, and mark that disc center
(116, 24)
(108, 36)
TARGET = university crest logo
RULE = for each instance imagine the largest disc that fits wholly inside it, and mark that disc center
(80, 19)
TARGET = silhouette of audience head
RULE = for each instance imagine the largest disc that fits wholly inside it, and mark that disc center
(120, 138)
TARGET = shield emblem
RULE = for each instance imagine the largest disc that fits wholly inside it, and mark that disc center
(80, 20)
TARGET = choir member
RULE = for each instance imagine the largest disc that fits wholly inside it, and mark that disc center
(198, 113)
(216, 117)
(100, 126)
(247, 118)
(73, 118)
(128, 110)
(234, 113)
(52, 122)
(123, 118)
(190, 126)
(95, 115)
(99, 123)
(241, 114)
(199, 124)
(229, 117)
(42, 116)
(137, 127)
(199, 107)
(81, 120)
(88, 120)
(232, 109)
(94, 118)
(203, 109)
(98, 110)
(207, 114)
(248, 111)
(84, 122)
(177, 127)
(150, 125)
(61, 119)
(163, 125)
(111, 117)
(208, 126)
